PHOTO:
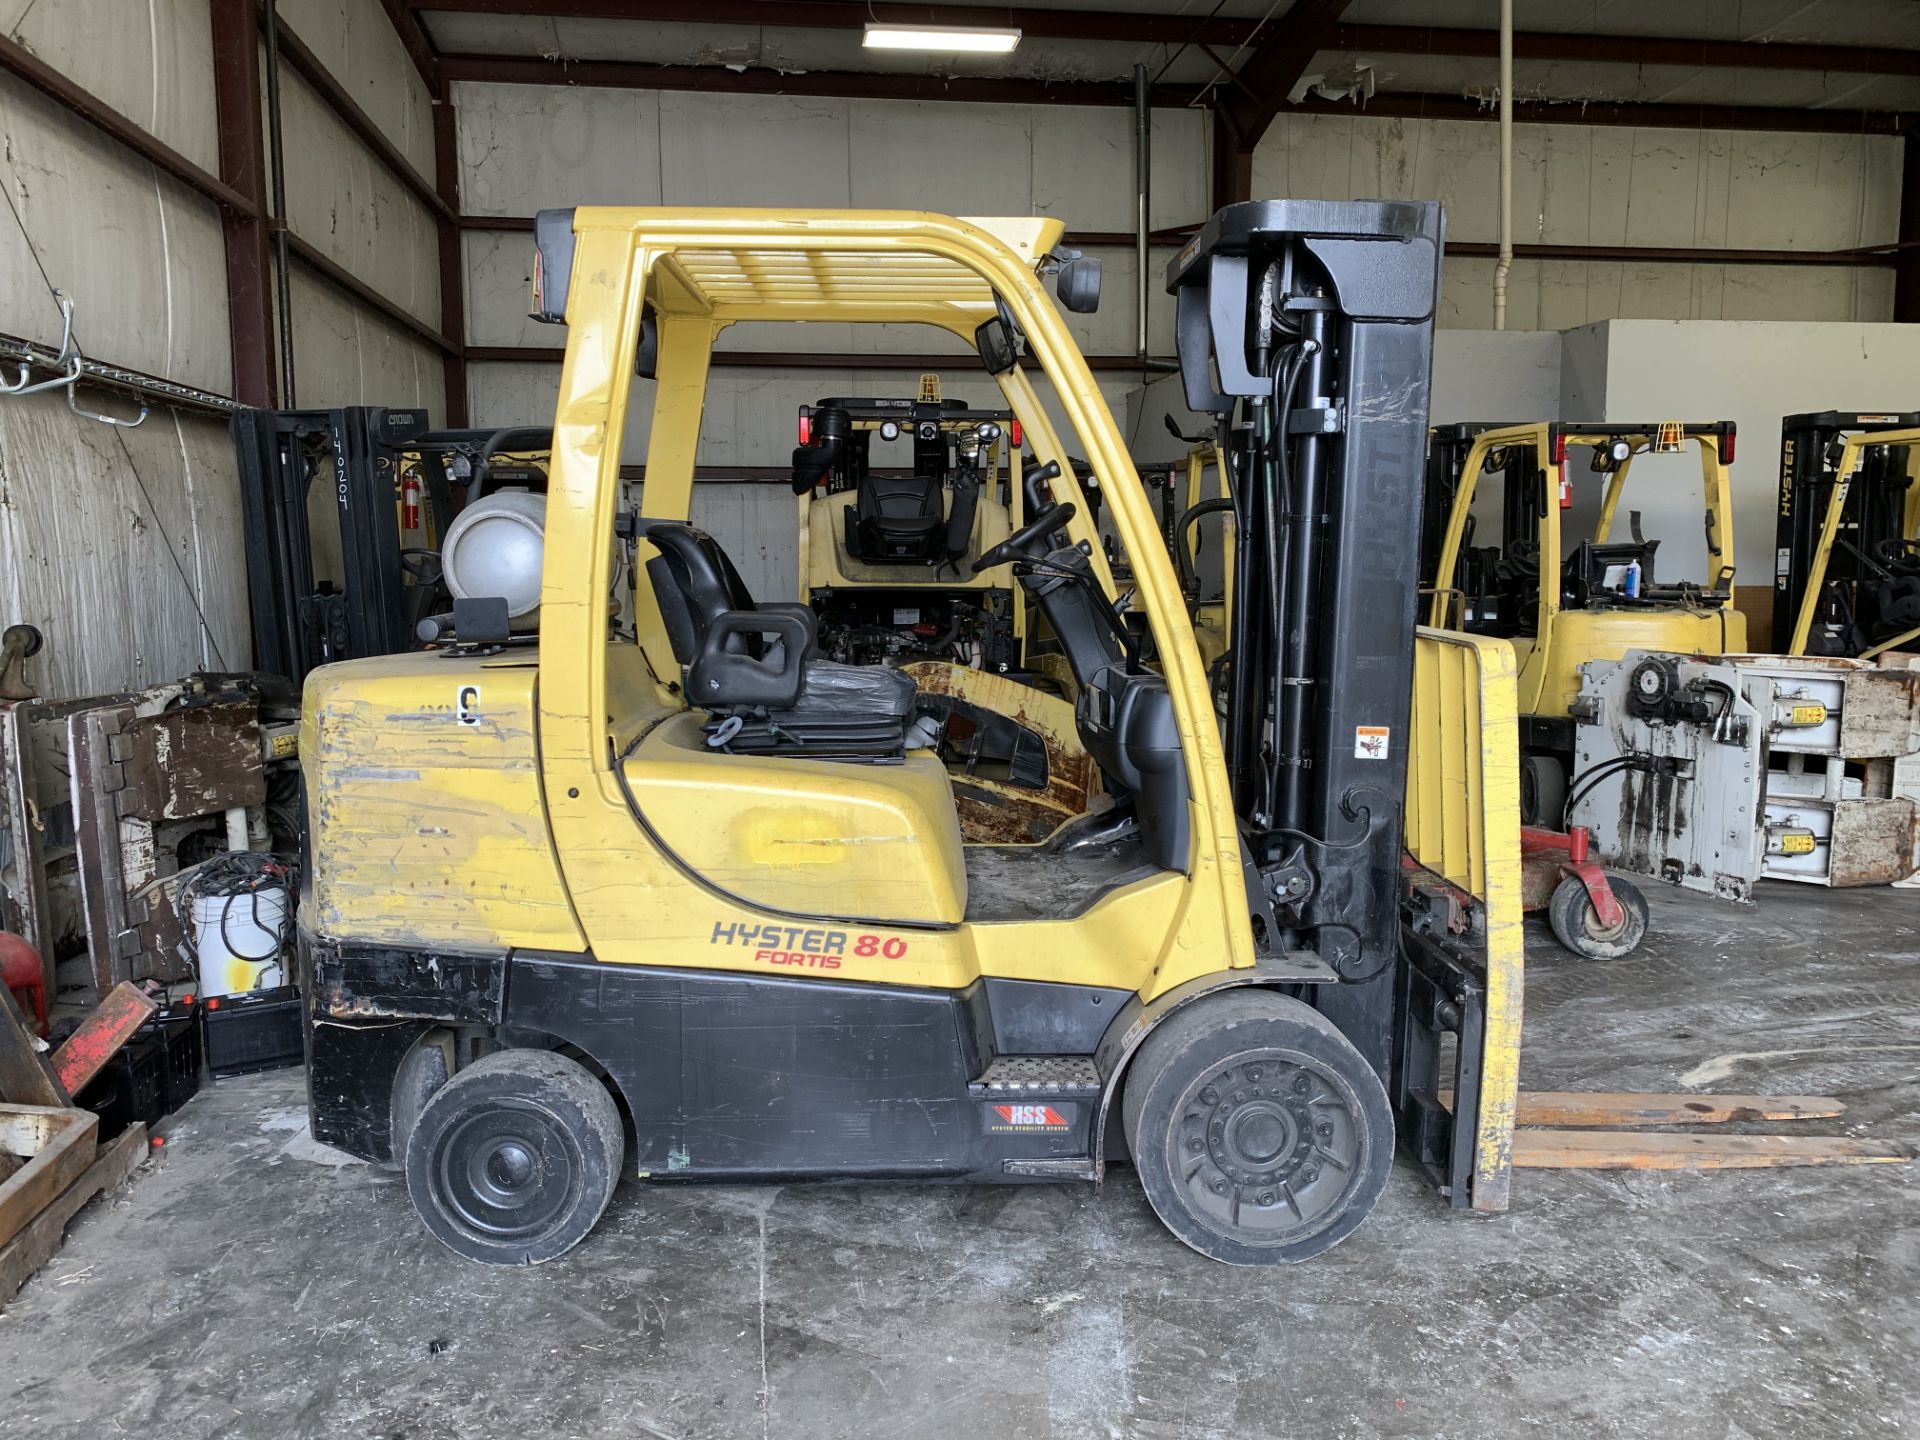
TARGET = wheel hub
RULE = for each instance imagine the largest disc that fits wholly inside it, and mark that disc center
(1269, 1144)
(507, 1172)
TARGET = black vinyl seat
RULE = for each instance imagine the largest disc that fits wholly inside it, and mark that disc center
(757, 669)
(897, 517)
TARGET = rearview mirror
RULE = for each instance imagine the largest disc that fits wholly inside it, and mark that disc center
(994, 341)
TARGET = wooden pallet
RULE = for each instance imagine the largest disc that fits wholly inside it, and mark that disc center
(1579, 1130)
(40, 1240)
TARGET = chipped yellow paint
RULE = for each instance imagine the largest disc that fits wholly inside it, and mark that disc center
(424, 806)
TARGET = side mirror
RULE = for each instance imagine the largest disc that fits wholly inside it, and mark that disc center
(1078, 285)
(994, 340)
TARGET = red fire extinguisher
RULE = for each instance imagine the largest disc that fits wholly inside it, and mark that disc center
(410, 499)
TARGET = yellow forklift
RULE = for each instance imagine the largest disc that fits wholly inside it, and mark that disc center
(1847, 534)
(1602, 599)
(691, 902)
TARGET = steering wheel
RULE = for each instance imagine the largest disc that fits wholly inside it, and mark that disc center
(1014, 547)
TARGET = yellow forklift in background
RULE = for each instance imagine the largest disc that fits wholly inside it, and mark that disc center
(886, 566)
(1602, 599)
(1847, 534)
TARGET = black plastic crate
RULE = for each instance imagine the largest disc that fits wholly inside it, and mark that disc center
(183, 1052)
(131, 1088)
(259, 1030)
(153, 1075)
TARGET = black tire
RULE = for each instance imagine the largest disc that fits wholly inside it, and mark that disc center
(513, 1160)
(1543, 790)
(1577, 926)
(1261, 1136)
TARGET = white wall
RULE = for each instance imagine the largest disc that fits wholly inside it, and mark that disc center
(1613, 185)
(528, 147)
(351, 207)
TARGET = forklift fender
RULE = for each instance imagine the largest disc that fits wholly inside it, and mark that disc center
(1138, 1019)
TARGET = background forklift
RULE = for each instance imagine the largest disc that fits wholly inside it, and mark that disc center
(886, 566)
(1847, 534)
(1601, 601)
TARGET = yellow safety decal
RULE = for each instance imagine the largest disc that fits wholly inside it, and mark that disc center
(1808, 715)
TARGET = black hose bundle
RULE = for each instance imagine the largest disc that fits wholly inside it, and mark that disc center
(241, 872)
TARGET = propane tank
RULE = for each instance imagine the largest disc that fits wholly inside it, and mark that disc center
(493, 549)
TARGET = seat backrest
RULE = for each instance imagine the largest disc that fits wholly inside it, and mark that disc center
(899, 517)
(694, 581)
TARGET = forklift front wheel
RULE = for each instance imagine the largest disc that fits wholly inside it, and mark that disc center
(1261, 1136)
(1577, 926)
(513, 1160)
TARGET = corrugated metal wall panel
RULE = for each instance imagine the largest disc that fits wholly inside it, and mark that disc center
(344, 202)
(355, 41)
(153, 62)
(117, 544)
(1600, 185)
(141, 255)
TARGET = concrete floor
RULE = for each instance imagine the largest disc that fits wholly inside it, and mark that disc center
(246, 1287)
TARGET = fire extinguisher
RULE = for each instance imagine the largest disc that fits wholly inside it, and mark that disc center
(410, 499)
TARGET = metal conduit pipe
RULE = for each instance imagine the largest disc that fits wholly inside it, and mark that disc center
(1504, 264)
(1142, 216)
(276, 156)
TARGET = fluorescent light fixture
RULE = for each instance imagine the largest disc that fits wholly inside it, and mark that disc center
(952, 40)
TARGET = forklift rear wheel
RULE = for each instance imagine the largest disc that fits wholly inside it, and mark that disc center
(1576, 924)
(1261, 1136)
(1543, 790)
(513, 1160)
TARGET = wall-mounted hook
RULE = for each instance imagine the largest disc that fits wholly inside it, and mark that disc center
(85, 414)
(69, 358)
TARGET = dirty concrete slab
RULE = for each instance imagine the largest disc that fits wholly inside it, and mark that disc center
(250, 1285)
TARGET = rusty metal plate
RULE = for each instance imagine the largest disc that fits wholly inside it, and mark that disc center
(196, 761)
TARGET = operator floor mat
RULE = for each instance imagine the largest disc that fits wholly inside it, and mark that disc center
(1028, 883)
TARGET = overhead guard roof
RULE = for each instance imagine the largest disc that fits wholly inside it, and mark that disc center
(824, 264)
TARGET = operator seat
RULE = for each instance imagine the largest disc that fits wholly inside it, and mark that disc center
(757, 669)
(897, 517)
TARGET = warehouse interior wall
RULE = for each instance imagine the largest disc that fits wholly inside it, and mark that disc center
(1619, 186)
(124, 546)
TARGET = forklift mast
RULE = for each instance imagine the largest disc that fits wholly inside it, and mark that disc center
(301, 621)
(1306, 329)
(1874, 517)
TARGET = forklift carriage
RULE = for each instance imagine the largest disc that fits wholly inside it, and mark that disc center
(689, 900)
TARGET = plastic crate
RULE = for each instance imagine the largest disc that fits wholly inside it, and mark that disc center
(130, 1088)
